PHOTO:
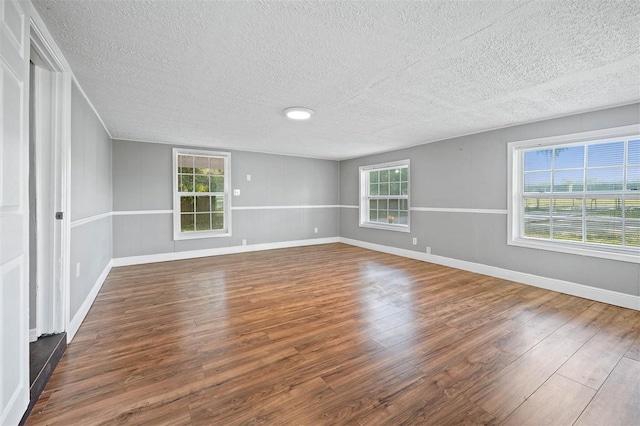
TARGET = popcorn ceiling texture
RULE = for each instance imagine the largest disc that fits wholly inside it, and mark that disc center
(379, 75)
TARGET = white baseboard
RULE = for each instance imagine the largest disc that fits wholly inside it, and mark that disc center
(33, 335)
(77, 319)
(574, 289)
(192, 254)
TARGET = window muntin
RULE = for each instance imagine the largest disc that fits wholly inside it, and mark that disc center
(384, 190)
(581, 195)
(201, 196)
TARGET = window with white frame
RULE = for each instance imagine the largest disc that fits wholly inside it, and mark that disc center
(384, 196)
(201, 202)
(578, 194)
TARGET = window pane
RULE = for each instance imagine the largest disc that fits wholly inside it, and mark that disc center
(373, 177)
(384, 175)
(201, 184)
(185, 164)
(394, 175)
(374, 189)
(217, 202)
(404, 204)
(634, 152)
(404, 188)
(203, 221)
(537, 206)
(186, 223)
(605, 154)
(632, 208)
(537, 228)
(604, 232)
(537, 160)
(567, 229)
(217, 221)
(568, 181)
(186, 204)
(394, 188)
(567, 207)
(373, 215)
(217, 184)
(203, 204)
(384, 189)
(393, 204)
(569, 158)
(404, 174)
(186, 183)
(633, 178)
(609, 179)
(403, 218)
(201, 165)
(632, 232)
(537, 182)
(383, 204)
(604, 207)
(216, 166)
(373, 204)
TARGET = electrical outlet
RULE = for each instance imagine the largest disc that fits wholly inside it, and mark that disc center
(236, 192)
(428, 250)
(248, 178)
(415, 241)
(244, 242)
(77, 269)
(315, 230)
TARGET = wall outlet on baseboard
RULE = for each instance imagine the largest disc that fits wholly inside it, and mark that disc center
(244, 242)
(428, 250)
(415, 241)
(77, 269)
(315, 230)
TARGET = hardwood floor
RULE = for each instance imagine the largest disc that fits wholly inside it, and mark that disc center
(336, 334)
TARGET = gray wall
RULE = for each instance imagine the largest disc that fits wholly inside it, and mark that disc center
(91, 195)
(471, 172)
(142, 180)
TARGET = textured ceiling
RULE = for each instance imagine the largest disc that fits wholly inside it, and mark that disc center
(379, 75)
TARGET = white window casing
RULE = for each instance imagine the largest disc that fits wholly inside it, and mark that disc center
(201, 194)
(385, 196)
(577, 193)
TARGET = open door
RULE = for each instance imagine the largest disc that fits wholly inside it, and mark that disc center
(14, 210)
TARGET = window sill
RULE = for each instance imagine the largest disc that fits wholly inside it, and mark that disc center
(622, 255)
(200, 235)
(397, 228)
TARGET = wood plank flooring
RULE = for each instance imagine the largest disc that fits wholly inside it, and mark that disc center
(335, 334)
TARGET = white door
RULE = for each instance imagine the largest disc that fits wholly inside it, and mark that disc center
(14, 215)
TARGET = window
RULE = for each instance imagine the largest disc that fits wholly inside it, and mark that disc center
(201, 202)
(579, 194)
(384, 196)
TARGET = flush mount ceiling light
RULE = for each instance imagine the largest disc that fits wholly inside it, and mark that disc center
(298, 113)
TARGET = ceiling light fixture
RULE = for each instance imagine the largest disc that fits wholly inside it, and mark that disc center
(298, 113)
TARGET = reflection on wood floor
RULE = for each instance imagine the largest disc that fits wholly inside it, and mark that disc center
(335, 334)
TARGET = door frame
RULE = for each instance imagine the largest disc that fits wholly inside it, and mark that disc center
(60, 113)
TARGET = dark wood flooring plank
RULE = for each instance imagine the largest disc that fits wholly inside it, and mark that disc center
(594, 361)
(503, 392)
(559, 401)
(618, 401)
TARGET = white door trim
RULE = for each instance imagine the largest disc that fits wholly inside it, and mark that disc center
(43, 43)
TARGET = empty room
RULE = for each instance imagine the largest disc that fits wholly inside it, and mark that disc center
(319, 212)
